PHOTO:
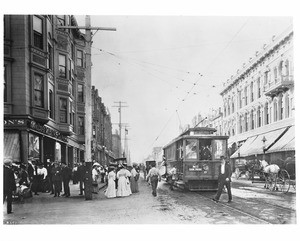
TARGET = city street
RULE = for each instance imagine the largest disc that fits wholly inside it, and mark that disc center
(252, 204)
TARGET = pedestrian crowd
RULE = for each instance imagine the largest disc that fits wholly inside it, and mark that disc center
(122, 181)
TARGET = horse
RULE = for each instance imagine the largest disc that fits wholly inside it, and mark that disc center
(271, 172)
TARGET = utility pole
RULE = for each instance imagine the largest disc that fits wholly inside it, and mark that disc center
(120, 106)
(88, 102)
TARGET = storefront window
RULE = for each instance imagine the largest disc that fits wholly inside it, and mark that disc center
(34, 146)
(12, 146)
(191, 149)
(57, 152)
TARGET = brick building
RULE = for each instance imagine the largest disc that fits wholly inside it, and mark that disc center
(44, 86)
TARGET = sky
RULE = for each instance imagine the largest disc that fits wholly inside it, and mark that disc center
(167, 69)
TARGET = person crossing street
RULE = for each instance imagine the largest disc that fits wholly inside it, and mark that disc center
(154, 178)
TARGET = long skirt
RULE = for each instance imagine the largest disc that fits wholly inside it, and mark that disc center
(123, 188)
(134, 185)
(111, 189)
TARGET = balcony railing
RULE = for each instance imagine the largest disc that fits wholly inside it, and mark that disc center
(277, 85)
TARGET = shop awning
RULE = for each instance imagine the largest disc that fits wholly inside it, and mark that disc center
(285, 143)
(254, 145)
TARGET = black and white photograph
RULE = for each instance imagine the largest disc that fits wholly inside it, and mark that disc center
(149, 119)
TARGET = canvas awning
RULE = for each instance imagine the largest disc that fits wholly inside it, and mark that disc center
(242, 151)
(285, 143)
(254, 145)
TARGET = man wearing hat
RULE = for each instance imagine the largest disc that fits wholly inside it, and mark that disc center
(9, 184)
(224, 179)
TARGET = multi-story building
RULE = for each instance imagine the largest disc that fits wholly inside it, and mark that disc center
(116, 145)
(102, 149)
(258, 103)
(44, 86)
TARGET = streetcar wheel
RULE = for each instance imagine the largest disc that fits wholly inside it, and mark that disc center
(283, 181)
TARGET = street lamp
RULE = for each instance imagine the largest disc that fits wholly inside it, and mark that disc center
(264, 146)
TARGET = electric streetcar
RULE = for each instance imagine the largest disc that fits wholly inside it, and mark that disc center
(196, 154)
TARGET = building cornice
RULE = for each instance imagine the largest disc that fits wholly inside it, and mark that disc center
(260, 56)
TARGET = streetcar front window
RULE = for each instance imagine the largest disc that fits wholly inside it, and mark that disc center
(219, 147)
(191, 149)
(205, 149)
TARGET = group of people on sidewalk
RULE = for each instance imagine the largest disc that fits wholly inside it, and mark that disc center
(121, 181)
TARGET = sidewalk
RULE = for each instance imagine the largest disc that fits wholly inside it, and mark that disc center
(46, 201)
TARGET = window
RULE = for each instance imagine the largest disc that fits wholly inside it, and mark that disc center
(5, 84)
(241, 126)
(37, 32)
(240, 99)
(70, 69)
(38, 90)
(266, 77)
(70, 113)
(252, 120)
(79, 58)
(62, 66)
(258, 89)
(251, 92)
(245, 95)
(73, 87)
(267, 114)
(63, 110)
(81, 125)
(232, 105)
(80, 93)
(258, 117)
(287, 106)
(51, 104)
(246, 122)
(72, 51)
(287, 68)
(49, 59)
(61, 20)
(275, 75)
(191, 149)
(275, 110)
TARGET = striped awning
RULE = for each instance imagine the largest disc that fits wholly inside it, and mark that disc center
(255, 146)
(285, 143)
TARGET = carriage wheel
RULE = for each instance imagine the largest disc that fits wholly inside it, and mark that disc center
(283, 181)
(237, 173)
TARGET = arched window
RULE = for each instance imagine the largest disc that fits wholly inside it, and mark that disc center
(287, 106)
(280, 67)
(251, 92)
(246, 122)
(241, 124)
(252, 120)
(275, 110)
(287, 68)
(258, 89)
(258, 117)
(266, 114)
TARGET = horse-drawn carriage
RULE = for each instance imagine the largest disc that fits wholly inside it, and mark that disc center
(279, 175)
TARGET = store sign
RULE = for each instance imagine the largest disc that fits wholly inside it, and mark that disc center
(15, 122)
(46, 130)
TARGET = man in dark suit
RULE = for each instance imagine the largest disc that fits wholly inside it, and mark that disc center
(81, 173)
(224, 180)
(66, 174)
(9, 184)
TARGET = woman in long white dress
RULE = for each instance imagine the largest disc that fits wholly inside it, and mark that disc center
(123, 190)
(111, 187)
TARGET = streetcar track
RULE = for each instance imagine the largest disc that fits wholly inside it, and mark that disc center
(236, 209)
